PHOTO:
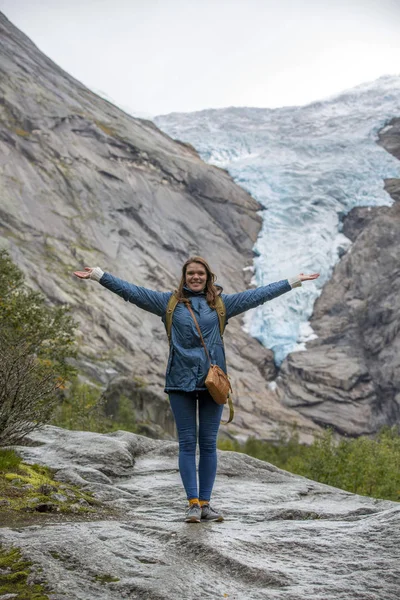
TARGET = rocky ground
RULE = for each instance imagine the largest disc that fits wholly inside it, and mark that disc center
(284, 537)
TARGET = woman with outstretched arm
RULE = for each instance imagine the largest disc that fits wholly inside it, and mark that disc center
(188, 364)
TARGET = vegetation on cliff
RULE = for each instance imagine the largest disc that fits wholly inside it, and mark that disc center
(82, 408)
(37, 342)
(38, 382)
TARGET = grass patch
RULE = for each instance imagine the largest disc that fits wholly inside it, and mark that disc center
(366, 466)
(9, 460)
(14, 573)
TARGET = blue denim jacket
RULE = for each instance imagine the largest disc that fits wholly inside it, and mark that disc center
(187, 363)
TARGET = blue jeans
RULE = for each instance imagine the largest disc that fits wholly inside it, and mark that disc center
(184, 408)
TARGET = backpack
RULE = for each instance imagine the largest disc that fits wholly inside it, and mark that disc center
(221, 310)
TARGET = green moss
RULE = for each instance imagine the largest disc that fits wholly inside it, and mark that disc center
(14, 573)
(23, 489)
(33, 474)
(106, 578)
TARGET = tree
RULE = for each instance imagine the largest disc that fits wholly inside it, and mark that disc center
(36, 343)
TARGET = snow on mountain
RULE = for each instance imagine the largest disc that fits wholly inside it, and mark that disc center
(308, 166)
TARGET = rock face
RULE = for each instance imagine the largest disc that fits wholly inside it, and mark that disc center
(83, 183)
(350, 376)
(284, 537)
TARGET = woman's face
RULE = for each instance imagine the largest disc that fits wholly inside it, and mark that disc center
(196, 277)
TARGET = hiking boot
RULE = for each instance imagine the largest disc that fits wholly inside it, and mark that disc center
(209, 514)
(193, 514)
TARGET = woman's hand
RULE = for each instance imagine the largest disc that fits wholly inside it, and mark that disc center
(304, 277)
(84, 274)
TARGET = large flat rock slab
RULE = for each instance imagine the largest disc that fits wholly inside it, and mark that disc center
(284, 537)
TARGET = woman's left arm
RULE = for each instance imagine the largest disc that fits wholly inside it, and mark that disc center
(242, 301)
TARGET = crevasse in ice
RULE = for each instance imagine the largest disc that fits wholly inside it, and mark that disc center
(308, 166)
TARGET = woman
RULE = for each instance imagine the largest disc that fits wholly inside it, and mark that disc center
(188, 364)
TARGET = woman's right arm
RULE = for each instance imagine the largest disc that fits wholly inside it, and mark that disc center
(150, 300)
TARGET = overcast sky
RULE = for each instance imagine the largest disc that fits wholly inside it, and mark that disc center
(158, 56)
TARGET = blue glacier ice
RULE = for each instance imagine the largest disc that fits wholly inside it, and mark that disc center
(308, 166)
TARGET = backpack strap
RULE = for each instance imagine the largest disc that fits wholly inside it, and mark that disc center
(221, 310)
(172, 302)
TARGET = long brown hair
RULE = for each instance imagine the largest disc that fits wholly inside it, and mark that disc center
(211, 290)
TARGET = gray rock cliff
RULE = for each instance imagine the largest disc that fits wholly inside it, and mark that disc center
(84, 184)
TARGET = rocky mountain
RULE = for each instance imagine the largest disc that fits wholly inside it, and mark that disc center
(320, 173)
(350, 374)
(284, 537)
(83, 183)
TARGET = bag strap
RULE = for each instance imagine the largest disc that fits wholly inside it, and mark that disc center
(231, 409)
(198, 329)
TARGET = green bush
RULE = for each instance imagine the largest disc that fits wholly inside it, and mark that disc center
(38, 385)
(47, 331)
(367, 466)
(36, 343)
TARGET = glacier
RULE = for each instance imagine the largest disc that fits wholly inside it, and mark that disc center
(307, 166)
